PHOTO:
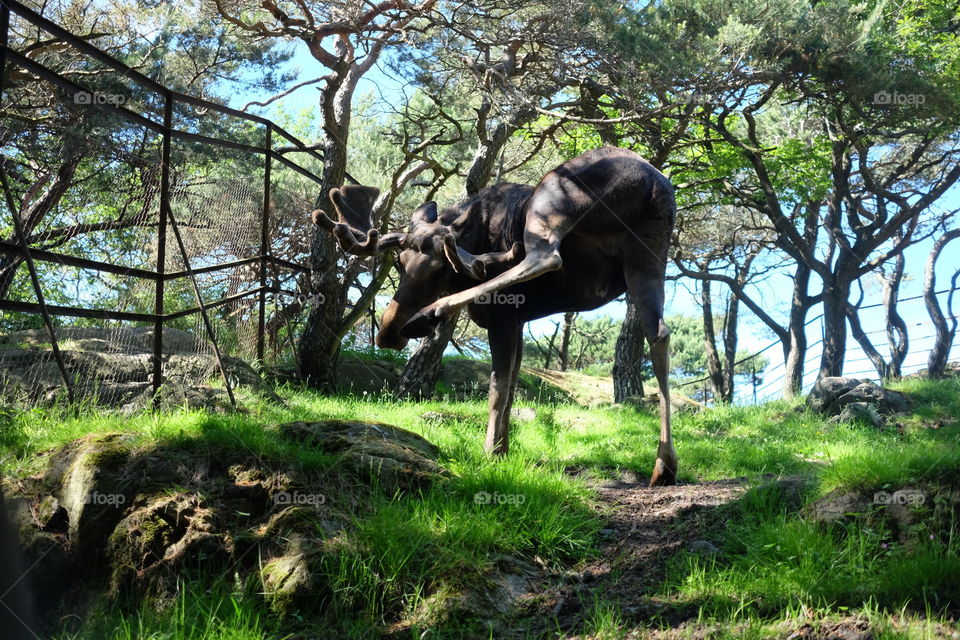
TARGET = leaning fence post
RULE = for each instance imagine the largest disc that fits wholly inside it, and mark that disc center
(162, 247)
(203, 307)
(264, 241)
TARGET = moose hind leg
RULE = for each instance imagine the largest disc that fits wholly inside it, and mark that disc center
(648, 292)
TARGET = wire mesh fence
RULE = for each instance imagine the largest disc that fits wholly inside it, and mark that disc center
(149, 236)
(766, 383)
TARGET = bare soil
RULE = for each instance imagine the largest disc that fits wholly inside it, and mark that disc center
(647, 527)
(646, 530)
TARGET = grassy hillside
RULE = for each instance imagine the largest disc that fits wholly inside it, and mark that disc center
(777, 568)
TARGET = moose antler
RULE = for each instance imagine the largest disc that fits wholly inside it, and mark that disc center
(354, 229)
(476, 266)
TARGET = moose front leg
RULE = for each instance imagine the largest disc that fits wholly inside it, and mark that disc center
(505, 342)
(665, 467)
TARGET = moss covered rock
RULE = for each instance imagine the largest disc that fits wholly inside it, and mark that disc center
(388, 457)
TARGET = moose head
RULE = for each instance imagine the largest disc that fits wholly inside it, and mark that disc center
(432, 261)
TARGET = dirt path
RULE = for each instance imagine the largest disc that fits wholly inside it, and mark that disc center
(647, 527)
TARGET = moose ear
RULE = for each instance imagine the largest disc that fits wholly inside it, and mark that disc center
(425, 213)
(354, 204)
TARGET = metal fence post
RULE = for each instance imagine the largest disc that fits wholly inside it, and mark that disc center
(162, 247)
(202, 306)
(264, 242)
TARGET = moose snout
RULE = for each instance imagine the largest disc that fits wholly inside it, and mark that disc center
(391, 340)
(388, 337)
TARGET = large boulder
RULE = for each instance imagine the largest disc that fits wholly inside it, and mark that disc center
(149, 546)
(831, 395)
(862, 412)
(387, 456)
(87, 481)
(827, 391)
(114, 367)
(109, 514)
(885, 400)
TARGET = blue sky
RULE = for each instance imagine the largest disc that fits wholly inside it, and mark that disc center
(774, 292)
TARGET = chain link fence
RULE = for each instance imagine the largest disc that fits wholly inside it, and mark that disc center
(151, 242)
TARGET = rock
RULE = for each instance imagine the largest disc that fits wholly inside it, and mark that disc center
(836, 507)
(704, 548)
(390, 457)
(523, 414)
(825, 393)
(366, 377)
(830, 395)
(51, 516)
(489, 599)
(864, 412)
(86, 477)
(291, 581)
(678, 403)
(885, 400)
(114, 367)
(442, 417)
(156, 539)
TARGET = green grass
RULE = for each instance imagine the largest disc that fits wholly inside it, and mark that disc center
(777, 564)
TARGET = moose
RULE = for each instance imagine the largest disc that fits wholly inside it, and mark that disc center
(594, 227)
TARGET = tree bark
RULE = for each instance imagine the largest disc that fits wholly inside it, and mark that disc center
(31, 217)
(937, 359)
(836, 292)
(730, 342)
(563, 356)
(714, 366)
(856, 329)
(320, 340)
(423, 368)
(628, 358)
(795, 348)
(897, 336)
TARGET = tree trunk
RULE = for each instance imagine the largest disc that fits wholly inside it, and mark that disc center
(714, 366)
(897, 336)
(628, 358)
(564, 355)
(730, 342)
(836, 292)
(423, 368)
(33, 215)
(883, 370)
(937, 359)
(795, 350)
(320, 340)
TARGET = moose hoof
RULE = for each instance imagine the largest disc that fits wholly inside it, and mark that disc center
(420, 325)
(664, 473)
